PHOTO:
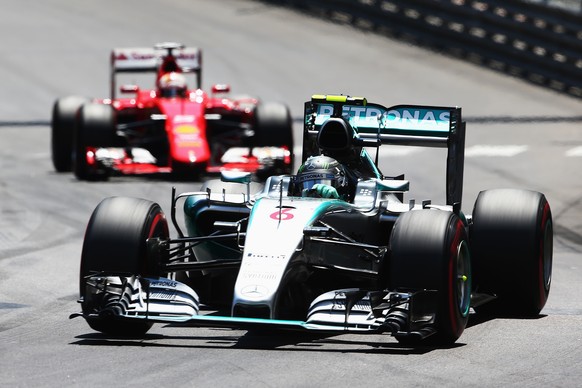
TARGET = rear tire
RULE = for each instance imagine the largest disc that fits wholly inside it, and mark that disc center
(115, 242)
(511, 245)
(63, 123)
(429, 250)
(96, 129)
(273, 126)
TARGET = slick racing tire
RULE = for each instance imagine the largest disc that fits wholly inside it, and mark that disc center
(115, 243)
(512, 247)
(63, 123)
(273, 126)
(96, 129)
(429, 251)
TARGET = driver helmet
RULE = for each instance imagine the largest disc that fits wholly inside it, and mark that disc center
(323, 170)
(172, 85)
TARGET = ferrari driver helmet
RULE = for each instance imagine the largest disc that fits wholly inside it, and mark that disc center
(172, 85)
(321, 170)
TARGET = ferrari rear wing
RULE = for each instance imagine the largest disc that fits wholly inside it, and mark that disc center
(408, 125)
(149, 59)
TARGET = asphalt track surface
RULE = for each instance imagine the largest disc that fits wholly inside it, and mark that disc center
(518, 135)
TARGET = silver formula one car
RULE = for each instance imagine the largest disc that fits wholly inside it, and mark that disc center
(363, 260)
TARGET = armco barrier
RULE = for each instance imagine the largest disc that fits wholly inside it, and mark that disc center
(539, 44)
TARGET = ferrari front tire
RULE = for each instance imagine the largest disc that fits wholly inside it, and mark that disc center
(96, 129)
(63, 123)
(429, 251)
(512, 248)
(115, 243)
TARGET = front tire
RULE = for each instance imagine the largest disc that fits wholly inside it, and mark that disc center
(429, 251)
(512, 248)
(63, 124)
(96, 129)
(115, 243)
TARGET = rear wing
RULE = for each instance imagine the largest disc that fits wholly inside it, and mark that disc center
(140, 60)
(408, 125)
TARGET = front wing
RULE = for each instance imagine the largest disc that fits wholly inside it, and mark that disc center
(402, 314)
(139, 161)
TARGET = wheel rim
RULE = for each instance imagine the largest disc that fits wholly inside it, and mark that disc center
(463, 278)
(158, 228)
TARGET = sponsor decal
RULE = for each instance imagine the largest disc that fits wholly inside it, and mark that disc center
(314, 176)
(186, 129)
(282, 215)
(191, 144)
(259, 276)
(183, 119)
(400, 118)
(265, 256)
(351, 111)
(164, 283)
(133, 56)
(162, 295)
(417, 118)
(341, 305)
(365, 191)
(186, 56)
(254, 291)
(187, 136)
(136, 55)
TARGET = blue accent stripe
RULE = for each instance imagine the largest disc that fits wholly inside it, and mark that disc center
(246, 323)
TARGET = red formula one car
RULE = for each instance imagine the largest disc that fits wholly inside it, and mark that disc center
(170, 128)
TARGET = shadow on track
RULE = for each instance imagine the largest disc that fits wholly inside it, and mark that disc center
(277, 340)
(262, 341)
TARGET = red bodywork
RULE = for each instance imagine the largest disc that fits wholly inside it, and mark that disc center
(190, 132)
(185, 125)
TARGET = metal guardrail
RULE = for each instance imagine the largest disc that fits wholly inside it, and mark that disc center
(568, 5)
(539, 44)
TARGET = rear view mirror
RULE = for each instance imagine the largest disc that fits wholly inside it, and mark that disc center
(235, 176)
(220, 88)
(129, 88)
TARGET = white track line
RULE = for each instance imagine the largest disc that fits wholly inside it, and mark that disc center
(576, 151)
(495, 150)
